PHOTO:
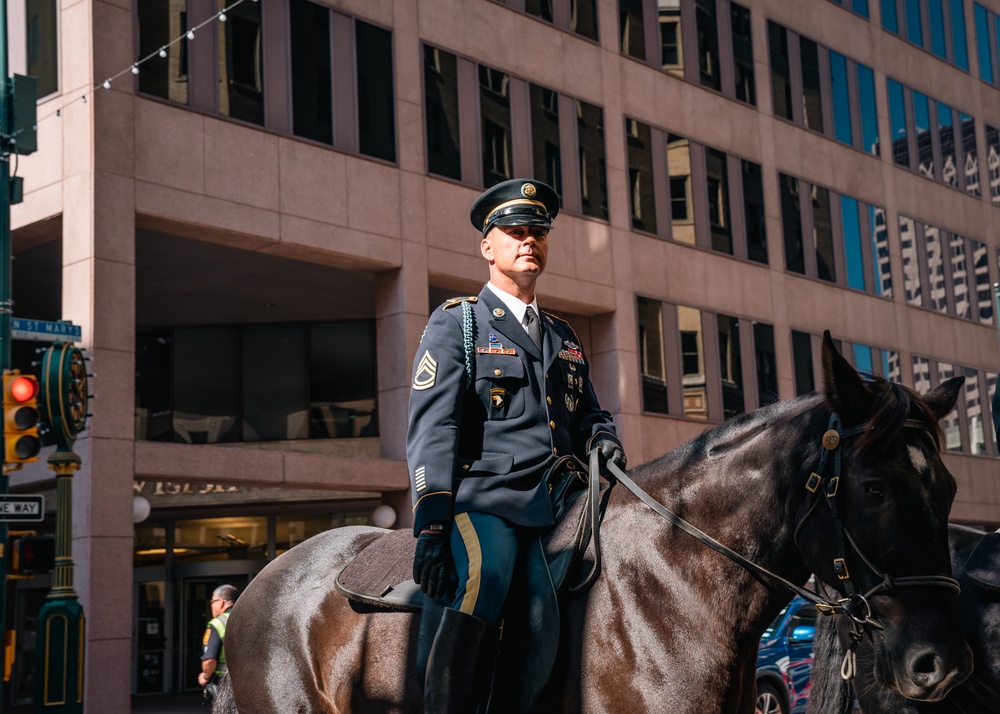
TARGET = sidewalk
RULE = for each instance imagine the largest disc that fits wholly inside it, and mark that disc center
(188, 703)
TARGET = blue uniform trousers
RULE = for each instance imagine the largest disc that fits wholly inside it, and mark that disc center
(484, 548)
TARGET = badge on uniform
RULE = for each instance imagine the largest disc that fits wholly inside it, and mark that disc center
(426, 373)
(570, 404)
(497, 397)
(571, 352)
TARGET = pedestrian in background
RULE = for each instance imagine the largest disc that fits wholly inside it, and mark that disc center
(213, 654)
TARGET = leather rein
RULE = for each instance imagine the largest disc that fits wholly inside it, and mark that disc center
(824, 490)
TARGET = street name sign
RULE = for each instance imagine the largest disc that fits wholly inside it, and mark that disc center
(44, 330)
(22, 508)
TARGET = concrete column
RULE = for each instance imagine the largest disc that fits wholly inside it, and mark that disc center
(99, 295)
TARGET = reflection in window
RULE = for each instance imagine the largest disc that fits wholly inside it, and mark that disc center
(766, 363)
(539, 8)
(546, 155)
(241, 63)
(671, 37)
(823, 234)
(730, 366)
(961, 48)
(897, 122)
(891, 368)
(743, 54)
(991, 388)
(946, 137)
(640, 168)
(206, 402)
(935, 269)
(654, 373)
(921, 375)
(342, 387)
(494, 105)
(708, 44)
(802, 358)
(993, 162)
(43, 43)
(981, 273)
(791, 223)
(880, 247)
(159, 23)
(583, 18)
(841, 98)
(959, 265)
(274, 401)
(968, 125)
(289, 531)
(312, 79)
(376, 104)
(869, 115)
(851, 222)
(982, 20)
(936, 26)
(922, 128)
(914, 23)
(679, 169)
(781, 78)
(717, 179)
(441, 112)
(862, 358)
(213, 539)
(950, 424)
(889, 19)
(593, 178)
(630, 26)
(753, 211)
(692, 346)
(812, 103)
(911, 263)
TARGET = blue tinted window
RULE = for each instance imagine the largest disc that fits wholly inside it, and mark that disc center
(863, 358)
(914, 28)
(869, 117)
(841, 98)
(852, 242)
(958, 34)
(922, 129)
(937, 27)
(860, 7)
(983, 43)
(889, 20)
(897, 121)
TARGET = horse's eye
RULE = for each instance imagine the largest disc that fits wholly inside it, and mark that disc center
(875, 491)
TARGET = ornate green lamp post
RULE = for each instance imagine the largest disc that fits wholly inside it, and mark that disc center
(59, 644)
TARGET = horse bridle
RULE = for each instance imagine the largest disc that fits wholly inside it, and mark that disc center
(855, 605)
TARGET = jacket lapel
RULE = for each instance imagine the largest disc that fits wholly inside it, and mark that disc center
(552, 341)
(506, 325)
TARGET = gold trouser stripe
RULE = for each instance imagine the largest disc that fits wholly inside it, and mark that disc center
(475, 552)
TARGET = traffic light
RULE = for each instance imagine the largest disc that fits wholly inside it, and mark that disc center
(20, 417)
(30, 554)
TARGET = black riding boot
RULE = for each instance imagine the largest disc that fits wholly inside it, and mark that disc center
(457, 673)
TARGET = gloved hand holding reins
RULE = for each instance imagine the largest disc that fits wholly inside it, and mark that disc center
(432, 564)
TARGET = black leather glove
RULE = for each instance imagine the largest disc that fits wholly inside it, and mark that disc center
(432, 564)
(611, 453)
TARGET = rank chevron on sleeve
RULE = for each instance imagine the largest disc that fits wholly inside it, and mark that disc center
(426, 372)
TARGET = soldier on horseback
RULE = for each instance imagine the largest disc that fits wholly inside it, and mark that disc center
(500, 392)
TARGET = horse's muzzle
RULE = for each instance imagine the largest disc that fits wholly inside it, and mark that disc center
(929, 676)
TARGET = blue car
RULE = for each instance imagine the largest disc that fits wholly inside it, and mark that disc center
(784, 660)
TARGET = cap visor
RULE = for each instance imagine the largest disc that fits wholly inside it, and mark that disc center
(521, 220)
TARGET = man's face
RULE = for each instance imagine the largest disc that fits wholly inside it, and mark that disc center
(217, 604)
(517, 251)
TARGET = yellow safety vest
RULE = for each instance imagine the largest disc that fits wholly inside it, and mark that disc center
(219, 623)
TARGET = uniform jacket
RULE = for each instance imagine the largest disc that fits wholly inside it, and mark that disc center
(486, 447)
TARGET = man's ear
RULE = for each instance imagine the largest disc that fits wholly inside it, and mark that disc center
(486, 248)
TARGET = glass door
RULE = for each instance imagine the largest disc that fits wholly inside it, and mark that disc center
(195, 612)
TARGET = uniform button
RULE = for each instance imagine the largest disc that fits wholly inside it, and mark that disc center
(465, 466)
(552, 424)
(548, 399)
(555, 451)
(546, 375)
(497, 372)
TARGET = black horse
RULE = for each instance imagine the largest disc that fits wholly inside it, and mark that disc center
(979, 694)
(670, 625)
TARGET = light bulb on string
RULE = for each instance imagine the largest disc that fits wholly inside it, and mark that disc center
(107, 84)
(163, 52)
(135, 69)
(222, 16)
(190, 34)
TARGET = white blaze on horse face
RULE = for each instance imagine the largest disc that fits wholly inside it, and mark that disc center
(918, 459)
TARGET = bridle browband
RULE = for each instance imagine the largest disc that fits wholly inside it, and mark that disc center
(855, 605)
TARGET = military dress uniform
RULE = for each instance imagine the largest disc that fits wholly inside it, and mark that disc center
(489, 413)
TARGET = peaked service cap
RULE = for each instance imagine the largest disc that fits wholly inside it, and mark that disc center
(518, 202)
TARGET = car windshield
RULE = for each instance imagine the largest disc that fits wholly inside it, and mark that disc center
(769, 632)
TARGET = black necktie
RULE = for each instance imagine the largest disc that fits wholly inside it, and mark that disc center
(534, 327)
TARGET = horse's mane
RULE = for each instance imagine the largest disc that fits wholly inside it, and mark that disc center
(893, 405)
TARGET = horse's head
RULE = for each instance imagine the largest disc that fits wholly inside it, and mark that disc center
(879, 533)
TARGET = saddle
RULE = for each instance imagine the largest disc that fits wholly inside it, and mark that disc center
(380, 578)
(983, 566)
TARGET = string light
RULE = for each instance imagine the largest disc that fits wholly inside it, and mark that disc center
(221, 16)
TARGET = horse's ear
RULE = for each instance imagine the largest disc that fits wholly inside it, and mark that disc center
(844, 390)
(943, 397)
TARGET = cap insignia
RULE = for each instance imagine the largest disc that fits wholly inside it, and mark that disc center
(528, 190)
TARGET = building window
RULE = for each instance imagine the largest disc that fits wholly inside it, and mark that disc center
(914, 23)
(946, 140)
(753, 211)
(730, 366)
(43, 44)
(312, 77)
(717, 179)
(241, 63)
(840, 97)
(993, 162)
(802, 358)
(593, 172)
(857, 6)
(766, 363)
(539, 8)
(578, 16)
(743, 54)
(941, 14)
(897, 122)
(981, 278)
(812, 103)
(912, 281)
(869, 115)
(781, 76)
(583, 18)
(693, 378)
(494, 106)
(984, 47)
(679, 170)
(671, 37)
(950, 424)
(651, 351)
(936, 26)
(633, 40)
(545, 141)
(971, 162)
(640, 166)
(708, 44)
(922, 130)
(826, 267)
(936, 289)
(441, 113)
(376, 101)
(959, 43)
(791, 222)
(889, 19)
(158, 23)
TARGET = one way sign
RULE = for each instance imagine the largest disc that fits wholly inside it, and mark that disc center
(22, 508)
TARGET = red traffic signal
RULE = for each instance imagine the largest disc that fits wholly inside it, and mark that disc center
(31, 554)
(21, 417)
